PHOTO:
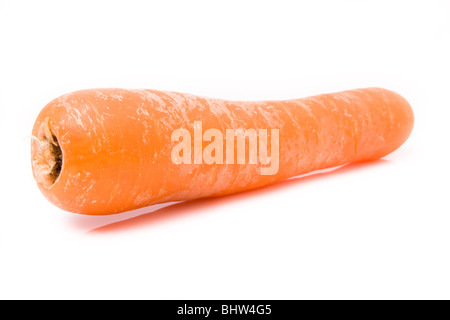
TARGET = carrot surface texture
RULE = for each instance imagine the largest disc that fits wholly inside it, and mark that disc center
(106, 151)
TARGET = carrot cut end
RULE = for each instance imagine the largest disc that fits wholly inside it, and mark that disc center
(47, 157)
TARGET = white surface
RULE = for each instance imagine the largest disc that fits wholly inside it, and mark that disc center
(379, 230)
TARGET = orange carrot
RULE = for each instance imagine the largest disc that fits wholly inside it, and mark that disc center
(105, 151)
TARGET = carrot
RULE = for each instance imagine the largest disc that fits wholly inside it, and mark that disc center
(105, 151)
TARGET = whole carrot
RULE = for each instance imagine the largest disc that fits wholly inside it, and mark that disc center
(105, 151)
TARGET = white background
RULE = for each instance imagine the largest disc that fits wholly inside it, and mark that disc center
(378, 230)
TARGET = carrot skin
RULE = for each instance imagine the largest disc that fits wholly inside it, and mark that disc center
(116, 144)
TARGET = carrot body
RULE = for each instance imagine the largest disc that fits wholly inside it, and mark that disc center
(105, 151)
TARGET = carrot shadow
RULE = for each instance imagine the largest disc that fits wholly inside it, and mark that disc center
(159, 213)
